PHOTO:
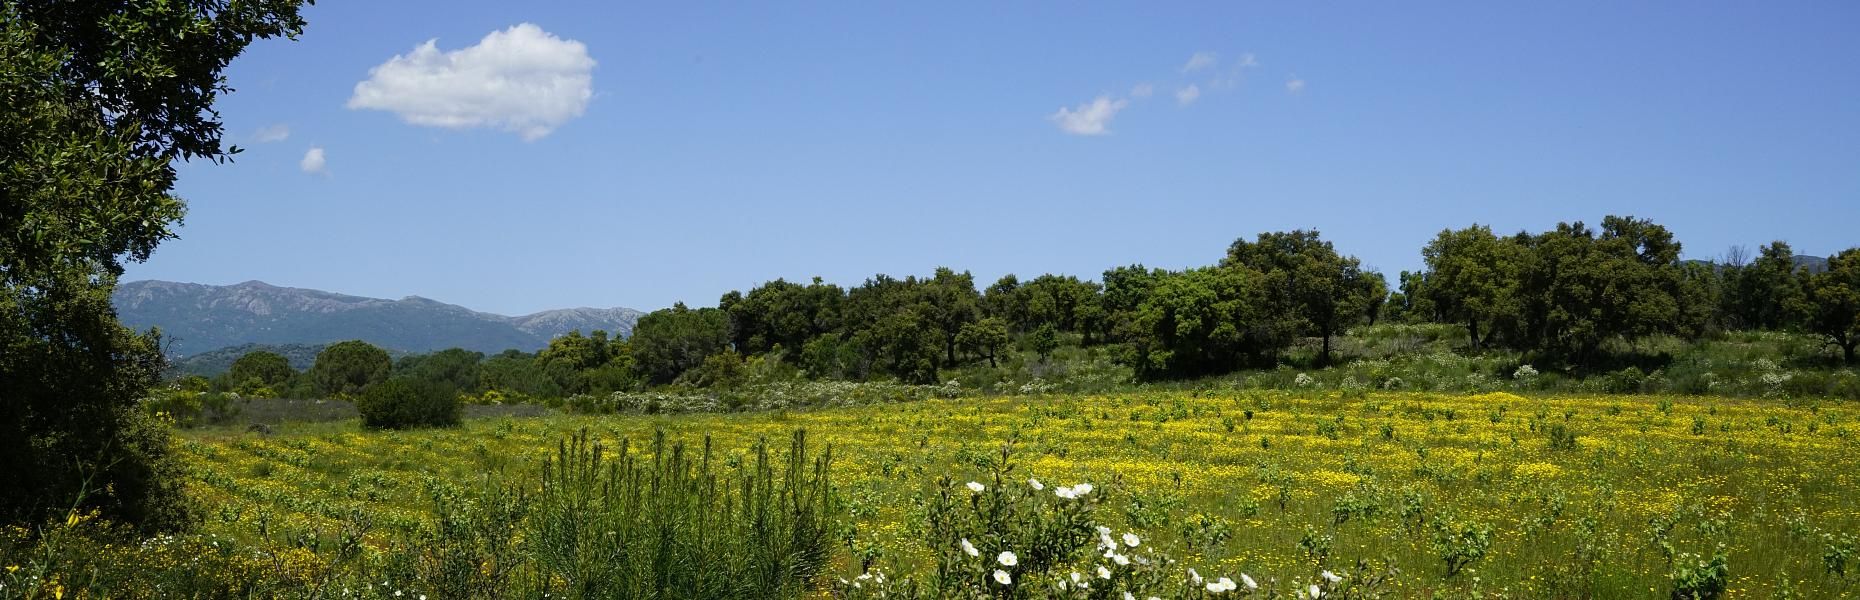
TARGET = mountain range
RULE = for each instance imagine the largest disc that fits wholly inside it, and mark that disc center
(196, 318)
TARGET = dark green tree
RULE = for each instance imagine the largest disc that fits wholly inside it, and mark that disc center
(670, 341)
(888, 327)
(457, 368)
(1472, 279)
(1832, 302)
(1307, 280)
(99, 100)
(781, 314)
(951, 302)
(1766, 294)
(986, 338)
(1125, 289)
(347, 368)
(1044, 340)
(266, 368)
(1004, 300)
(1580, 288)
(1206, 321)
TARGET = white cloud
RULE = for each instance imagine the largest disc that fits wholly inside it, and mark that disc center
(1143, 90)
(1187, 95)
(522, 79)
(1089, 118)
(314, 162)
(1201, 60)
(1248, 60)
(1295, 85)
(273, 133)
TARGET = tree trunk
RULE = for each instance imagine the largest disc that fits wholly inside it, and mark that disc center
(1472, 332)
(1324, 359)
(1848, 350)
(991, 359)
(949, 344)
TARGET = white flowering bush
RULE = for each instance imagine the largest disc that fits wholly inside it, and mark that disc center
(1303, 380)
(1007, 537)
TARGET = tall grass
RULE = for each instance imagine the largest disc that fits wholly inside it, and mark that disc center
(674, 525)
(670, 522)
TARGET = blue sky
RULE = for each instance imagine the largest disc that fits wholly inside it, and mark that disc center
(628, 155)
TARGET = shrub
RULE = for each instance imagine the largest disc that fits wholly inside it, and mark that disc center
(403, 403)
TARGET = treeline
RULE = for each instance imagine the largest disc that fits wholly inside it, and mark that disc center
(1565, 293)
(1564, 299)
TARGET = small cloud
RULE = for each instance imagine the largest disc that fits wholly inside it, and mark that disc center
(314, 163)
(1295, 85)
(1231, 79)
(273, 133)
(1201, 60)
(522, 79)
(1143, 90)
(1090, 118)
(1188, 95)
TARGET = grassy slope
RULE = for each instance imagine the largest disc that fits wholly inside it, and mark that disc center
(1767, 494)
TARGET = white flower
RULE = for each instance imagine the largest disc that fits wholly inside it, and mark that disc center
(1316, 592)
(1081, 489)
(1248, 580)
(1002, 577)
(1332, 577)
(1076, 577)
(1121, 560)
(976, 487)
(1130, 539)
(968, 548)
(1227, 585)
(1129, 596)
(1065, 492)
(1007, 559)
(1216, 587)
(1196, 577)
(1103, 573)
(1037, 486)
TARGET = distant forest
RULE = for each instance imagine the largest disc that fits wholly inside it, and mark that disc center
(1561, 298)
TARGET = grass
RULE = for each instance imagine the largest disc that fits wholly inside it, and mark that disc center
(1556, 496)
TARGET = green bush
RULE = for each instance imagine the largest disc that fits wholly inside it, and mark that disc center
(403, 403)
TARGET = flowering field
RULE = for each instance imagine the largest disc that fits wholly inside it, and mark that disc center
(1457, 495)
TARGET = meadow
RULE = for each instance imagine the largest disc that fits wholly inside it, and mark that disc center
(1491, 495)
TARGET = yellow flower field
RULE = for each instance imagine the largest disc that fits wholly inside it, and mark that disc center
(1574, 496)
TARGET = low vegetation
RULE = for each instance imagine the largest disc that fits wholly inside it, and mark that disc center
(1409, 494)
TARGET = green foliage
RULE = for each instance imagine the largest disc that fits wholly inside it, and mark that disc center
(347, 368)
(454, 367)
(1204, 321)
(1697, 578)
(1473, 278)
(1765, 294)
(987, 338)
(678, 524)
(1833, 303)
(1308, 282)
(670, 341)
(267, 368)
(405, 403)
(100, 100)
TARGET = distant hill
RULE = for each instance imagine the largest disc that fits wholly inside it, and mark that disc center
(214, 362)
(196, 318)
